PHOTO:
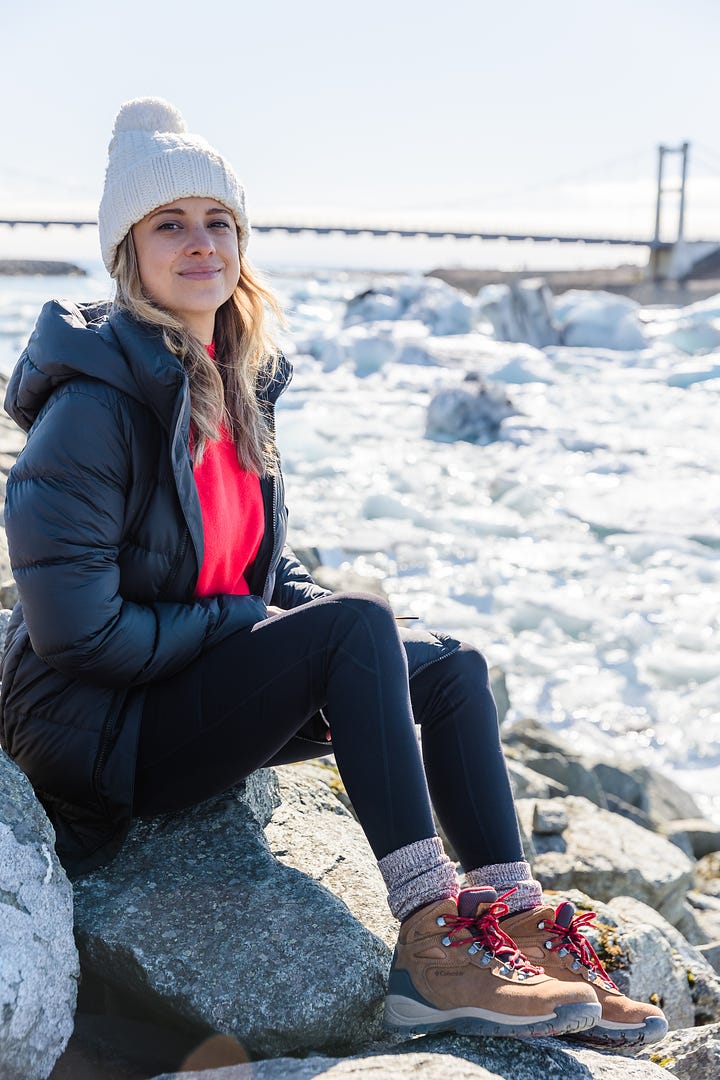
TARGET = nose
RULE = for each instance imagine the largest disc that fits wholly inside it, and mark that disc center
(200, 240)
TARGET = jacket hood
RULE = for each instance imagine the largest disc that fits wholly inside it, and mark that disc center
(94, 341)
(67, 342)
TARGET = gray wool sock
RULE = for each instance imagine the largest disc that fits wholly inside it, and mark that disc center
(512, 875)
(418, 874)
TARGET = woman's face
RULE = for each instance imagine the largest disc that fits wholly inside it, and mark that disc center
(189, 262)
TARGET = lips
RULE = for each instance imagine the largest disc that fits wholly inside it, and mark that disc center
(201, 273)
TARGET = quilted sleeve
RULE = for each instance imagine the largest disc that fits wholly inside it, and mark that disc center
(294, 585)
(64, 519)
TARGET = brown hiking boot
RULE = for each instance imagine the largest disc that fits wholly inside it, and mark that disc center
(455, 969)
(555, 940)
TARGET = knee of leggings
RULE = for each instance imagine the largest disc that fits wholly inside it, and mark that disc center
(457, 691)
(470, 668)
(469, 663)
(373, 611)
(369, 604)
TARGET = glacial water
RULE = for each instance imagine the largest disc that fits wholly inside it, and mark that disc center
(580, 549)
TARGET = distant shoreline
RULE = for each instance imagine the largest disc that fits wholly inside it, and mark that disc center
(44, 267)
(627, 280)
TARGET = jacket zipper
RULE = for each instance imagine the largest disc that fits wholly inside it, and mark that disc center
(180, 554)
(273, 551)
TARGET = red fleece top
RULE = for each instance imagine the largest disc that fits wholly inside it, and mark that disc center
(233, 517)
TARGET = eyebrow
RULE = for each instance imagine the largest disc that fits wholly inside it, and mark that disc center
(177, 211)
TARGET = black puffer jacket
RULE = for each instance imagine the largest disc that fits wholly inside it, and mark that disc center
(105, 535)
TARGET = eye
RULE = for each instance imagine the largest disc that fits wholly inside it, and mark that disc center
(220, 223)
(168, 226)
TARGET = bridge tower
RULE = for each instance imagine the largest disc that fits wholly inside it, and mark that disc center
(663, 188)
(661, 254)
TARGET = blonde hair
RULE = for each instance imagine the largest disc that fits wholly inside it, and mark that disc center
(224, 389)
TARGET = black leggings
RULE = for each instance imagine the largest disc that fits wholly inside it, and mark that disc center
(254, 701)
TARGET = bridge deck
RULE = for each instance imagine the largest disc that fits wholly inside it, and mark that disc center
(364, 230)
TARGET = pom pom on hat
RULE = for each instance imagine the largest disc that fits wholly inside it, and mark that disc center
(149, 114)
(153, 160)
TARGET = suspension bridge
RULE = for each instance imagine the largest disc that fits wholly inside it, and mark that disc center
(667, 258)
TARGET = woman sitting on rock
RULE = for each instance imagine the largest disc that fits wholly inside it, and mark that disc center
(167, 643)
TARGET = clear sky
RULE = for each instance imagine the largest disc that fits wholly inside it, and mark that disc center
(518, 114)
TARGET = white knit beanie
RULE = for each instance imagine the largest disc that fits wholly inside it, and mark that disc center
(152, 160)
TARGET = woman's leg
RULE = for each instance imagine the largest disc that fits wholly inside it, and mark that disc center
(467, 775)
(238, 705)
(235, 708)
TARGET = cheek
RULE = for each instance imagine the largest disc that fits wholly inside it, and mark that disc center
(154, 268)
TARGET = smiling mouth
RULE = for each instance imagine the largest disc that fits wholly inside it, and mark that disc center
(201, 273)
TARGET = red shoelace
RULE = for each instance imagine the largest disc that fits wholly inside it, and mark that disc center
(571, 938)
(485, 932)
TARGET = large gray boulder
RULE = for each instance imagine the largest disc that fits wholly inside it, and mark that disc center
(198, 921)
(688, 1055)
(606, 855)
(38, 958)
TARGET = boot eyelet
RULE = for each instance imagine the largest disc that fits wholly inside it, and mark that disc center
(440, 920)
(541, 925)
(473, 949)
(446, 941)
(548, 946)
(486, 959)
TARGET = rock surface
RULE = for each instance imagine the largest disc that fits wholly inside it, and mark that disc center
(703, 836)
(312, 831)
(689, 966)
(5, 614)
(38, 958)
(199, 922)
(606, 855)
(707, 874)
(657, 798)
(430, 1066)
(688, 1055)
(445, 1057)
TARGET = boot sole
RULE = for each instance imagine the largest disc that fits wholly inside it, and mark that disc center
(607, 1037)
(409, 1017)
